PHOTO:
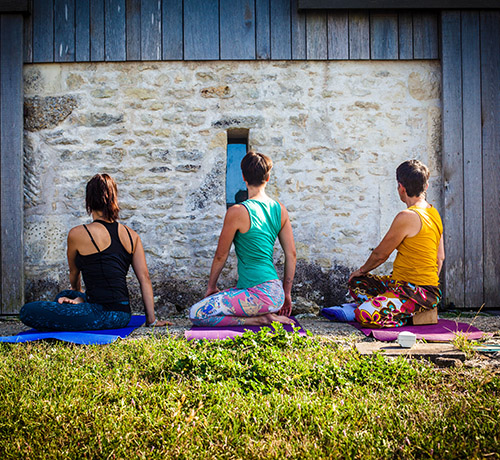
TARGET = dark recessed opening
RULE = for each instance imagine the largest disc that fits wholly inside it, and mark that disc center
(237, 147)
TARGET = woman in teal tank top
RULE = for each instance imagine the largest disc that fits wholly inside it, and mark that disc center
(253, 226)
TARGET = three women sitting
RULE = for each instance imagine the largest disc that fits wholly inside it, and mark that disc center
(104, 250)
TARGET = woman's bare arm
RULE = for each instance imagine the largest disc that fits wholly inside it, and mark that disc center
(403, 225)
(141, 271)
(440, 255)
(232, 223)
(287, 242)
(74, 272)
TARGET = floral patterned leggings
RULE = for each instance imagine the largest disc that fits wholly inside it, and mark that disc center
(233, 306)
(385, 302)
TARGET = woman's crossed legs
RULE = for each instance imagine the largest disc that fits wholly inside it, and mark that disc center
(85, 316)
(236, 307)
(384, 302)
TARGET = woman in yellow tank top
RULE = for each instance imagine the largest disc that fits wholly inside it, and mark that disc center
(417, 234)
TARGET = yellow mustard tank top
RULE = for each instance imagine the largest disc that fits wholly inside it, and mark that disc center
(416, 261)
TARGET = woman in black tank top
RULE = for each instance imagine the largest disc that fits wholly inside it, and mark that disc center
(102, 253)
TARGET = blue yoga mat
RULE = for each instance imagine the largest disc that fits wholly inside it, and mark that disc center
(101, 337)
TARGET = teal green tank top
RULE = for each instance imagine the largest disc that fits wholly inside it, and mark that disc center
(254, 248)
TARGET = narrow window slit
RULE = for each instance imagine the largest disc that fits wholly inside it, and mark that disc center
(237, 147)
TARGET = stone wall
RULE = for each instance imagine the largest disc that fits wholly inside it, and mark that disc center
(336, 132)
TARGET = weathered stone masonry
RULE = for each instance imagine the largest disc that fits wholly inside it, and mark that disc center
(336, 132)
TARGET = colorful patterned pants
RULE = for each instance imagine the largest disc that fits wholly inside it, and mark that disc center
(384, 302)
(85, 316)
(233, 306)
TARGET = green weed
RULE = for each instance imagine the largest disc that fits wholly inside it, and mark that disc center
(260, 396)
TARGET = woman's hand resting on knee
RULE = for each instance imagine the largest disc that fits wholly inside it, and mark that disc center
(68, 300)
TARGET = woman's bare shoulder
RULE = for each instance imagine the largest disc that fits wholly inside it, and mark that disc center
(236, 211)
(77, 231)
(133, 233)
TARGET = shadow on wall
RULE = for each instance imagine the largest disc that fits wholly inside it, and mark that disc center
(313, 288)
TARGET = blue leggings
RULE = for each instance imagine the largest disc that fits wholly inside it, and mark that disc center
(55, 316)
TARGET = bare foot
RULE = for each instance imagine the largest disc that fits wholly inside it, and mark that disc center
(265, 320)
(280, 319)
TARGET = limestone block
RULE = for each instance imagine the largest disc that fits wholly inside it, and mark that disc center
(140, 93)
(97, 120)
(33, 81)
(103, 93)
(47, 112)
(187, 168)
(219, 140)
(424, 86)
(105, 142)
(216, 91)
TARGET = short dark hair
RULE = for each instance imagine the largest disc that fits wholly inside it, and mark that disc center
(413, 176)
(102, 195)
(256, 168)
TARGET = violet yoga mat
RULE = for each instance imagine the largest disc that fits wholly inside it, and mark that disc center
(230, 332)
(444, 331)
(102, 337)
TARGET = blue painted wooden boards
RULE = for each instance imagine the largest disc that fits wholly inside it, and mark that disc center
(43, 30)
(134, 30)
(96, 30)
(384, 42)
(172, 30)
(11, 163)
(262, 29)
(281, 44)
(82, 30)
(317, 35)
(201, 29)
(338, 35)
(115, 32)
(64, 30)
(237, 29)
(151, 30)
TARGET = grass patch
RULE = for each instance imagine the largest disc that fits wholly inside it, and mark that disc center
(259, 396)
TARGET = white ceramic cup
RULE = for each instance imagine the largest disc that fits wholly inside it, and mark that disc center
(407, 339)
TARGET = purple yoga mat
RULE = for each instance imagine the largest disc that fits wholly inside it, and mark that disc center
(444, 331)
(230, 332)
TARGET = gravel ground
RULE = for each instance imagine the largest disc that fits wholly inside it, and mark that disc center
(320, 327)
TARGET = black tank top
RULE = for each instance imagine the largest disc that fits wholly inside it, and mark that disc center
(105, 272)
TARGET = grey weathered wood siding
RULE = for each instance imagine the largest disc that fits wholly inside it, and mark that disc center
(11, 164)
(471, 156)
(155, 30)
(468, 42)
